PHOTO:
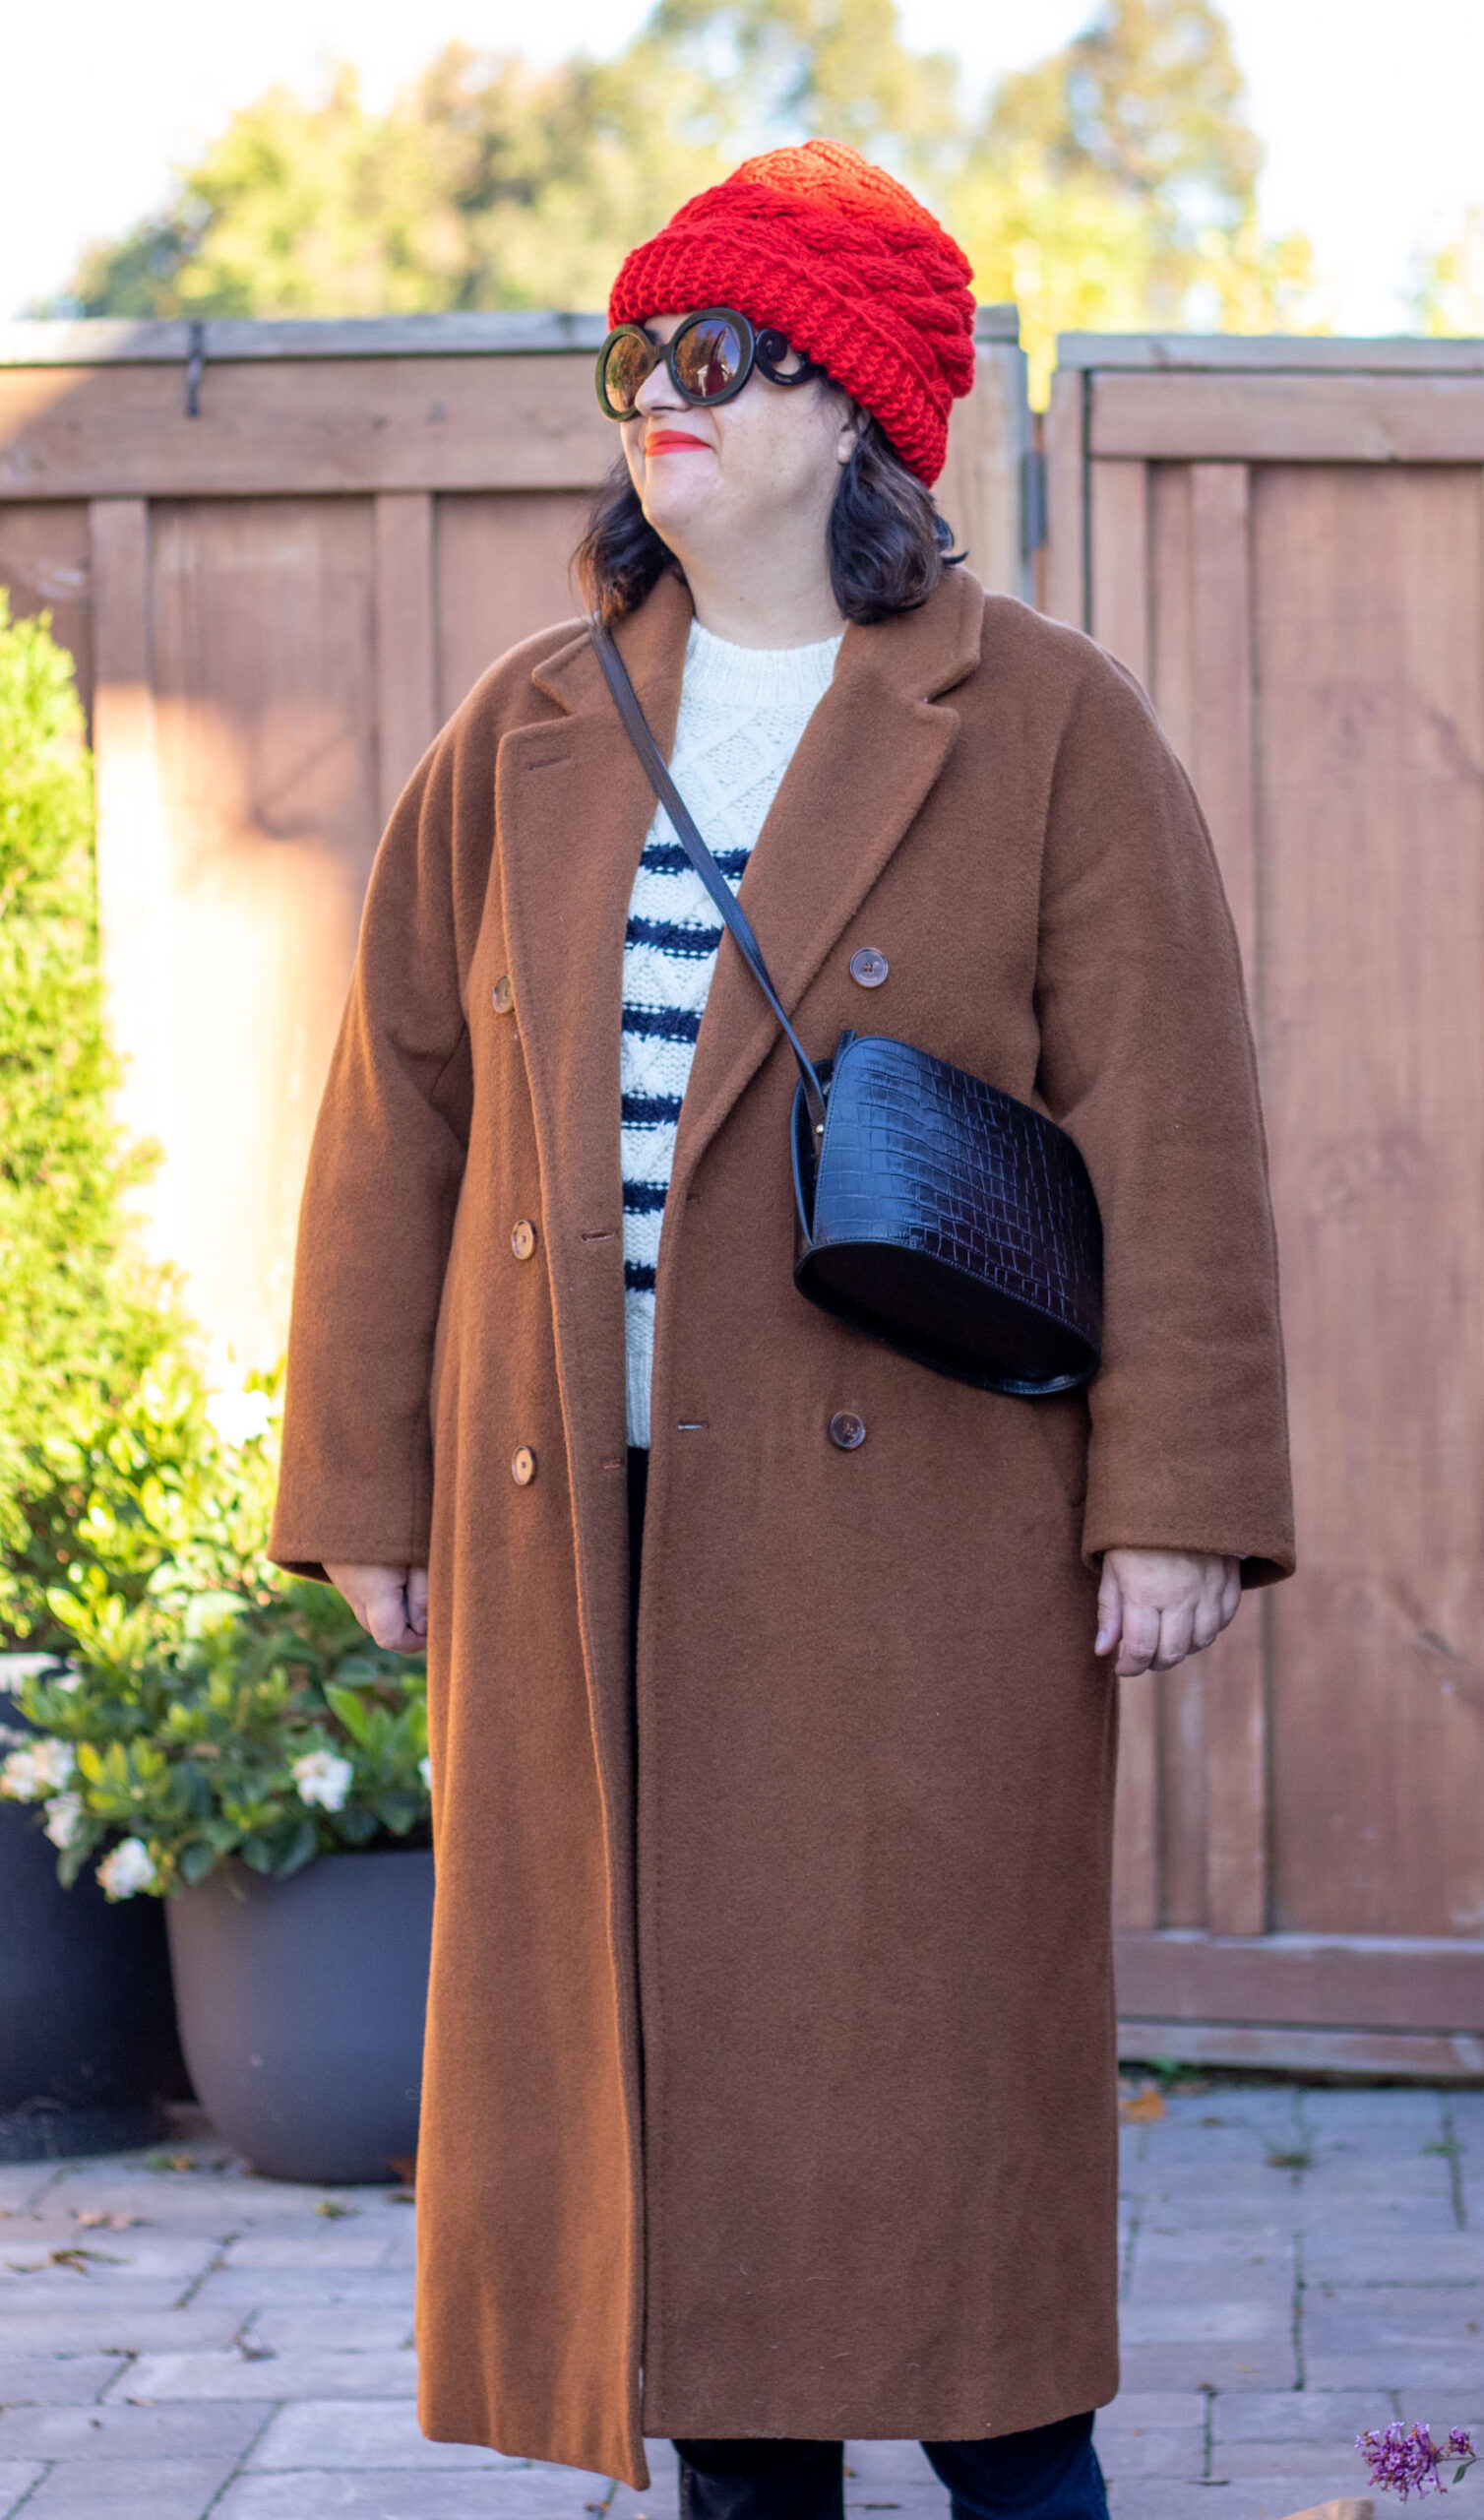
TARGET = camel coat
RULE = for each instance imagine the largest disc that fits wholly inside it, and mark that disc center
(770, 2080)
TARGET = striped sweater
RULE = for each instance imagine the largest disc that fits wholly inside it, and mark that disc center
(742, 711)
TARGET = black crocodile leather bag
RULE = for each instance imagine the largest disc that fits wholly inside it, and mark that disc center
(935, 1212)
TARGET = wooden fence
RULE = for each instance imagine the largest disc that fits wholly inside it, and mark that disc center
(282, 554)
(1284, 539)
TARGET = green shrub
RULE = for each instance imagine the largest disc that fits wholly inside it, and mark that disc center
(210, 1705)
(82, 1317)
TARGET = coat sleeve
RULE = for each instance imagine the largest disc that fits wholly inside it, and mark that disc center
(1148, 1060)
(385, 1168)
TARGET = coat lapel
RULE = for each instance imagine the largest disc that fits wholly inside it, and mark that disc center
(573, 807)
(867, 759)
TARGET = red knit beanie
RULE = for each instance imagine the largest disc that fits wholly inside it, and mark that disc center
(839, 257)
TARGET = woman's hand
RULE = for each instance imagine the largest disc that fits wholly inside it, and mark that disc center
(1155, 1605)
(391, 1603)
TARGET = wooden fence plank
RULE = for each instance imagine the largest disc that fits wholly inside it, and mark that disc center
(1289, 418)
(45, 565)
(1220, 759)
(406, 664)
(1121, 563)
(303, 427)
(1064, 554)
(980, 489)
(1370, 616)
(502, 570)
(1136, 1845)
(1411, 2055)
(134, 886)
(1171, 600)
(1361, 1980)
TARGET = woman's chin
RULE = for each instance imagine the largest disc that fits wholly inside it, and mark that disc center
(669, 503)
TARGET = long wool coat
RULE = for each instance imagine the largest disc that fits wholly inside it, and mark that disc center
(770, 2078)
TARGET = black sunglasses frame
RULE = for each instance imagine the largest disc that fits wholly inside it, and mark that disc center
(762, 346)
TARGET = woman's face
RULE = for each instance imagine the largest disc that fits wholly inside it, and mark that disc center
(737, 473)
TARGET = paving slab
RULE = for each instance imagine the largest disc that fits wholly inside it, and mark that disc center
(339, 2432)
(322, 2374)
(56, 2380)
(152, 2489)
(17, 2479)
(524, 2494)
(128, 2431)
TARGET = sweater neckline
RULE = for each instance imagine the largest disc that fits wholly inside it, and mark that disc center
(757, 677)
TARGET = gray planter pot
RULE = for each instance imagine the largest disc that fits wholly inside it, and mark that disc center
(88, 2047)
(301, 2008)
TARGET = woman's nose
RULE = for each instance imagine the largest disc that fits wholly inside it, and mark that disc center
(657, 392)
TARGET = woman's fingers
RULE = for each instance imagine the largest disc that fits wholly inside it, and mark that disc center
(1109, 1609)
(1141, 1638)
(1176, 1631)
(391, 1603)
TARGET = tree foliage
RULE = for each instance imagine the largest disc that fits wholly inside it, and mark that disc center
(1449, 291)
(1112, 184)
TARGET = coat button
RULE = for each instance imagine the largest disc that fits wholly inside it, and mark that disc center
(522, 1464)
(522, 1240)
(504, 994)
(868, 968)
(847, 1431)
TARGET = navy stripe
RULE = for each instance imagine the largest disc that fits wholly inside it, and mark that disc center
(648, 1110)
(643, 1198)
(638, 1277)
(668, 858)
(663, 1023)
(686, 943)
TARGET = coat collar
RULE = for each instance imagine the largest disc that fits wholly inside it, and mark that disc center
(869, 755)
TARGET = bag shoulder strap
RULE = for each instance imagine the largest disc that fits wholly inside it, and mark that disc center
(738, 924)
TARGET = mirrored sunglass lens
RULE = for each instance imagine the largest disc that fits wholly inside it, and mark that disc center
(625, 368)
(708, 358)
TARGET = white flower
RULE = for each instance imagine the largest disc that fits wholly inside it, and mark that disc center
(63, 1813)
(130, 1867)
(41, 1768)
(425, 1771)
(239, 1415)
(323, 1778)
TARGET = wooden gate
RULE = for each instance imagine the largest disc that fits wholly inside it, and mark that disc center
(282, 554)
(1284, 539)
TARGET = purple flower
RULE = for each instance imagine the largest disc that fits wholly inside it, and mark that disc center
(1407, 2462)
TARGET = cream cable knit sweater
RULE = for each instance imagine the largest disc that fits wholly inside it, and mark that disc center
(742, 711)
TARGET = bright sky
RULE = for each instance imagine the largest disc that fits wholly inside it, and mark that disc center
(1370, 112)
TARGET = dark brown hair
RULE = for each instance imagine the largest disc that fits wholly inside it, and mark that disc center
(888, 545)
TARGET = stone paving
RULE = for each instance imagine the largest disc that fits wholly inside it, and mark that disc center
(178, 2338)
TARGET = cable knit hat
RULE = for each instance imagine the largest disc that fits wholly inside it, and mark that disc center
(839, 257)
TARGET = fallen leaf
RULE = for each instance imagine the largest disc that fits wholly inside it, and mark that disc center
(105, 2220)
(1145, 2106)
(332, 2211)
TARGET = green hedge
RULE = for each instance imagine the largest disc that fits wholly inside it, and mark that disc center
(83, 1316)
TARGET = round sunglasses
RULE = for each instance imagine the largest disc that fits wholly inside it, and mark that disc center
(709, 360)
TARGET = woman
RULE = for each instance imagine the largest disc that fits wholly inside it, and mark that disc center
(769, 2088)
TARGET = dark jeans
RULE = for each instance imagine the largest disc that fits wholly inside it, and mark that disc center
(1049, 2473)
